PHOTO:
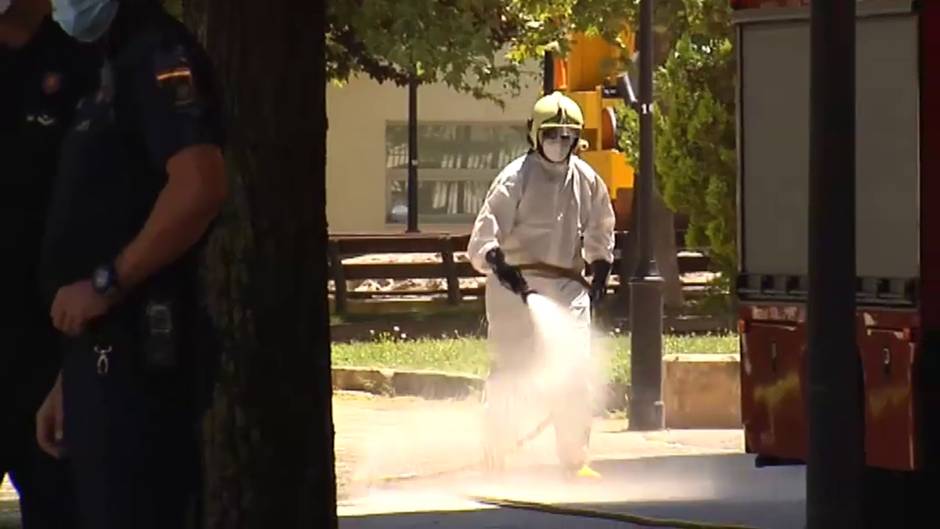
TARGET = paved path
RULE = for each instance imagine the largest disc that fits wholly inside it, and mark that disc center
(381, 438)
(694, 475)
(717, 489)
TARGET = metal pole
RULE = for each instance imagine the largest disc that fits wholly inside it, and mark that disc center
(548, 76)
(413, 155)
(835, 466)
(646, 301)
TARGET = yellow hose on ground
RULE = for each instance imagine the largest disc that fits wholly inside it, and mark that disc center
(644, 521)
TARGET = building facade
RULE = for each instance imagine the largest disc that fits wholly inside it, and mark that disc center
(462, 144)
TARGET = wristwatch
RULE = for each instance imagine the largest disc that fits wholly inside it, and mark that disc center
(105, 280)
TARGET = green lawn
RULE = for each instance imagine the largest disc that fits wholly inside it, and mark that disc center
(468, 355)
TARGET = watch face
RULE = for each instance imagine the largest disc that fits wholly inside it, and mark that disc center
(101, 279)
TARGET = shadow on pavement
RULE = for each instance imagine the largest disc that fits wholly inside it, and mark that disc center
(491, 519)
(725, 489)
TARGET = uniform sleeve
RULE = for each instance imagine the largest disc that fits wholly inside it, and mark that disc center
(176, 105)
(494, 220)
(599, 233)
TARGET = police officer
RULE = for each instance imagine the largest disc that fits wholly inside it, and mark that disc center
(141, 180)
(42, 75)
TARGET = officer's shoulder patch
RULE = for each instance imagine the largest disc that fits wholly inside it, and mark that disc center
(174, 76)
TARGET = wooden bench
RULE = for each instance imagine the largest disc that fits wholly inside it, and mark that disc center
(446, 245)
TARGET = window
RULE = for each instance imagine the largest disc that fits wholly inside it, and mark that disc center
(457, 164)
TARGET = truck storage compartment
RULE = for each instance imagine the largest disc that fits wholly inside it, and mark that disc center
(772, 387)
(887, 343)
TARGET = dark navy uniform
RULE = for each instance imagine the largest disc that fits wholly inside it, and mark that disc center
(130, 425)
(40, 85)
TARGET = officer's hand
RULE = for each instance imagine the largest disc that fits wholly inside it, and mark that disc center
(75, 305)
(49, 418)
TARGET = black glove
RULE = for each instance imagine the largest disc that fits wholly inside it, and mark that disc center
(509, 276)
(600, 270)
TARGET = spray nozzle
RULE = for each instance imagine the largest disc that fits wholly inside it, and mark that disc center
(525, 295)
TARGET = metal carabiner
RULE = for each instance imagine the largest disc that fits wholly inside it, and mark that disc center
(104, 364)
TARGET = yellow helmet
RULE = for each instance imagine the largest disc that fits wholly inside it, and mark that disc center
(552, 111)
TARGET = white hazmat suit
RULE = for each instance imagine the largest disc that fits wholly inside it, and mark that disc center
(541, 213)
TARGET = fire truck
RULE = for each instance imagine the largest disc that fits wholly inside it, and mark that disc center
(897, 227)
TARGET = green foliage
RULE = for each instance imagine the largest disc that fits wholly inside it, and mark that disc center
(695, 128)
(474, 46)
(455, 355)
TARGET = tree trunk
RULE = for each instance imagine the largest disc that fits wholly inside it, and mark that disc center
(269, 436)
(666, 253)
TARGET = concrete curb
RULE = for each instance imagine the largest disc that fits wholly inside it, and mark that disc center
(435, 385)
(702, 391)
(699, 390)
(429, 385)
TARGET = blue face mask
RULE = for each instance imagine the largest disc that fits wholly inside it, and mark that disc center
(84, 20)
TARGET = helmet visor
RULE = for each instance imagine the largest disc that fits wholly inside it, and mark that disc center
(555, 132)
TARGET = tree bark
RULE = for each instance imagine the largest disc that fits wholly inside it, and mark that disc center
(666, 252)
(269, 436)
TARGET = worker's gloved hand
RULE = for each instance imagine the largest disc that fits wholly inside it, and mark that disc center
(600, 270)
(509, 276)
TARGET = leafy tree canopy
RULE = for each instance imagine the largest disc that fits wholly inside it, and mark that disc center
(473, 46)
(695, 123)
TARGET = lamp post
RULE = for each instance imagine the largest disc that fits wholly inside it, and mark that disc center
(646, 298)
(413, 155)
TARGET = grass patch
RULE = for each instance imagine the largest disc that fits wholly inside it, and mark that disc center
(456, 355)
(469, 355)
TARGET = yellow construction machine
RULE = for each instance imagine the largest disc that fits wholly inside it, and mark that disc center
(588, 74)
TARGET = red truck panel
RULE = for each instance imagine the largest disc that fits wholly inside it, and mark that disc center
(887, 342)
(772, 384)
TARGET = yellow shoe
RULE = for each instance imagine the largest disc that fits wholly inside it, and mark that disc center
(587, 472)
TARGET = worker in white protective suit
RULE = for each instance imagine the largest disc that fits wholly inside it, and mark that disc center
(546, 214)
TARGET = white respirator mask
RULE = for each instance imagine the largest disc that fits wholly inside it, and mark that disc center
(557, 143)
(84, 20)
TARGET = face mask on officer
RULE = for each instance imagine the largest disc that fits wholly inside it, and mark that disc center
(84, 20)
(557, 143)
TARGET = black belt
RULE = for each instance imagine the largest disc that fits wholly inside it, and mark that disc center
(556, 272)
